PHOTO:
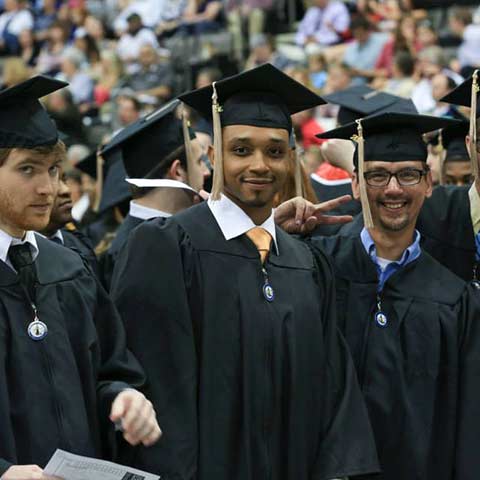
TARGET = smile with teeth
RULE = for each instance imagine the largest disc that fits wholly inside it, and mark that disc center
(394, 205)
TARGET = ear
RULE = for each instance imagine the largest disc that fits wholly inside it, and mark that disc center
(355, 186)
(211, 155)
(177, 172)
(429, 181)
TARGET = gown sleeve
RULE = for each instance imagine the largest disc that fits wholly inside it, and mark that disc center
(150, 288)
(468, 431)
(348, 446)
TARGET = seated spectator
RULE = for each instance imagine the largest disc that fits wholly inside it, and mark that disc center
(246, 18)
(150, 12)
(201, 16)
(362, 54)
(468, 54)
(50, 56)
(129, 110)
(339, 77)
(29, 47)
(45, 17)
(317, 66)
(426, 35)
(442, 84)
(170, 17)
(206, 76)
(262, 51)
(401, 83)
(80, 84)
(95, 28)
(68, 119)
(155, 77)
(15, 18)
(15, 70)
(403, 39)
(132, 40)
(110, 76)
(324, 23)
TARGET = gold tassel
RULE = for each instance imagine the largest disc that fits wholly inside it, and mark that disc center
(99, 185)
(188, 145)
(217, 182)
(473, 125)
(367, 214)
(442, 154)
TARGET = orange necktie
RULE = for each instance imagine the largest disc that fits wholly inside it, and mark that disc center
(261, 239)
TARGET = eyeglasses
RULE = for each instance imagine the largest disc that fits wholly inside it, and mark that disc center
(406, 177)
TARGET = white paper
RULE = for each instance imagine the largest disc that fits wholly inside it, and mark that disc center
(75, 467)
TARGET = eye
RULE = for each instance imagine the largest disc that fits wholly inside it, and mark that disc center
(276, 152)
(26, 169)
(53, 170)
(408, 175)
(377, 177)
(241, 151)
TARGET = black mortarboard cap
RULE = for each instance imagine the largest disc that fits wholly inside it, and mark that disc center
(24, 122)
(149, 140)
(453, 139)
(360, 101)
(392, 136)
(461, 95)
(262, 97)
(115, 189)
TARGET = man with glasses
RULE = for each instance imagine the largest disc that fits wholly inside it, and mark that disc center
(409, 322)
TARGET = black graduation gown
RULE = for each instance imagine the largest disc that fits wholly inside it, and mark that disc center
(77, 241)
(446, 228)
(420, 375)
(108, 259)
(57, 392)
(244, 389)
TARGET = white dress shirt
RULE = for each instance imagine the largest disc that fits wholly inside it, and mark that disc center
(146, 213)
(6, 240)
(233, 221)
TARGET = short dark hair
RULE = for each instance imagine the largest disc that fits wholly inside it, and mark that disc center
(404, 62)
(58, 149)
(360, 21)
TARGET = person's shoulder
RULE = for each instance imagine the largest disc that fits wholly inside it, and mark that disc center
(436, 282)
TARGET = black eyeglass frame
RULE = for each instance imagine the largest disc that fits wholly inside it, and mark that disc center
(421, 173)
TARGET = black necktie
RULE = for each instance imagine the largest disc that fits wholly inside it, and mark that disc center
(22, 261)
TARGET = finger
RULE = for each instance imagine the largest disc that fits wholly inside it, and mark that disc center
(132, 413)
(204, 194)
(300, 211)
(153, 437)
(309, 226)
(335, 219)
(118, 407)
(141, 421)
(332, 204)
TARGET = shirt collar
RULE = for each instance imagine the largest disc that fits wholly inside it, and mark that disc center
(58, 234)
(233, 221)
(6, 240)
(146, 213)
(411, 253)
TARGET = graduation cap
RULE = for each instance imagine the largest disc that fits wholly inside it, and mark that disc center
(360, 101)
(453, 139)
(466, 94)
(261, 97)
(148, 143)
(109, 171)
(387, 137)
(24, 122)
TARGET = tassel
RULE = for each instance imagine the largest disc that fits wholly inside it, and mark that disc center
(473, 125)
(442, 156)
(99, 185)
(217, 182)
(367, 214)
(188, 145)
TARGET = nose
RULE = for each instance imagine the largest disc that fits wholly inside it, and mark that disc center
(258, 163)
(47, 185)
(393, 186)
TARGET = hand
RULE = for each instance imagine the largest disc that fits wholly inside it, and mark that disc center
(26, 472)
(301, 216)
(339, 153)
(137, 417)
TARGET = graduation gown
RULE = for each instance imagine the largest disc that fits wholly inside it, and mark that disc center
(446, 228)
(108, 259)
(420, 374)
(244, 388)
(57, 392)
(77, 241)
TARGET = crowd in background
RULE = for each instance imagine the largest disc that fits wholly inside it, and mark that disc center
(124, 58)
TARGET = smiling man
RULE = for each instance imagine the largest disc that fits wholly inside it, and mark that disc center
(66, 374)
(411, 325)
(234, 320)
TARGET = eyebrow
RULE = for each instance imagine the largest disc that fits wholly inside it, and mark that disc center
(36, 161)
(249, 139)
